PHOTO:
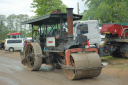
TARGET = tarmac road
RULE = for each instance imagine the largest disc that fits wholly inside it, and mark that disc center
(12, 72)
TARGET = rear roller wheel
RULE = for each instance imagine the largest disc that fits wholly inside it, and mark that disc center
(83, 61)
(32, 55)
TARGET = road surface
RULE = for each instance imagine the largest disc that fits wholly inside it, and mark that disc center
(12, 72)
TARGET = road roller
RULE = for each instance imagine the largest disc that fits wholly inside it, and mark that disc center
(53, 45)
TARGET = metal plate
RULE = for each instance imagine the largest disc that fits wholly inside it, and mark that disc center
(50, 41)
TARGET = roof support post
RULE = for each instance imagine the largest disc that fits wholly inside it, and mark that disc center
(61, 27)
(57, 28)
(40, 30)
(46, 30)
(32, 32)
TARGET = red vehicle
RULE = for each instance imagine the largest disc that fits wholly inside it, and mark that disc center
(115, 29)
(116, 42)
(14, 35)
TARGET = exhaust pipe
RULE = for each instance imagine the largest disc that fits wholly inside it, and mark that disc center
(70, 22)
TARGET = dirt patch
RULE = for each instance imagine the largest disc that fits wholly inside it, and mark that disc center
(12, 72)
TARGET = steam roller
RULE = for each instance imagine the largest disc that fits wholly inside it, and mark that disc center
(60, 48)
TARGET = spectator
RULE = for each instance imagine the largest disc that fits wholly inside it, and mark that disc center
(25, 43)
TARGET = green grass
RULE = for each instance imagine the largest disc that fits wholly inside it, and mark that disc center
(116, 62)
(110, 58)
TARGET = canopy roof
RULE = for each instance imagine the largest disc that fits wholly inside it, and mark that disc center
(53, 18)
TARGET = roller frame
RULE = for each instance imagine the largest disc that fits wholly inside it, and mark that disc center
(69, 51)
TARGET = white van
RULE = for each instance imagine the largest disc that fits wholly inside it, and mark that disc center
(14, 44)
(92, 30)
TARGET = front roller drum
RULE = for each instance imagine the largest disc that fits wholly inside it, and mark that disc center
(84, 64)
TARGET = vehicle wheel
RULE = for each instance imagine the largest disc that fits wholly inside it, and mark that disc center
(32, 55)
(125, 34)
(125, 55)
(11, 49)
(116, 54)
(124, 51)
(3, 46)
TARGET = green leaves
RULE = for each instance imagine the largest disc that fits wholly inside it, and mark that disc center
(107, 11)
(12, 23)
(44, 7)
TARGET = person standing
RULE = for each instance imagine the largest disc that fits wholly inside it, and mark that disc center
(25, 43)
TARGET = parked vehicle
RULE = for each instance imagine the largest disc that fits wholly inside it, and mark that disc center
(29, 39)
(9, 36)
(116, 40)
(14, 44)
(14, 35)
(90, 28)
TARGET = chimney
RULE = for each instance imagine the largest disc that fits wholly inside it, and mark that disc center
(70, 21)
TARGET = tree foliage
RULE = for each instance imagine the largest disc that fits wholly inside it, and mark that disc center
(12, 23)
(44, 7)
(107, 11)
(2, 25)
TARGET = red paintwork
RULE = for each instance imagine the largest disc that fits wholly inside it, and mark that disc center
(17, 33)
(88, 43)
(50, 41)
(114, 29)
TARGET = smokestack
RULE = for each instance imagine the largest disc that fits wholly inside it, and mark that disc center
(70, 21)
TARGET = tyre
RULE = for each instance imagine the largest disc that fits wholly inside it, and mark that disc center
(3, 45)
(124, 50)
(11, 49)
(125, 34)
(116, 54)
(125, 55)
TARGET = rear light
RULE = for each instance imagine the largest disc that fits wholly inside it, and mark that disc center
(4, 46)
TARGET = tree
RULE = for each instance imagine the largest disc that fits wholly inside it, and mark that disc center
(44, 7)
(107, 11)
(13, 24)
(3, 28)
(10, 21)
